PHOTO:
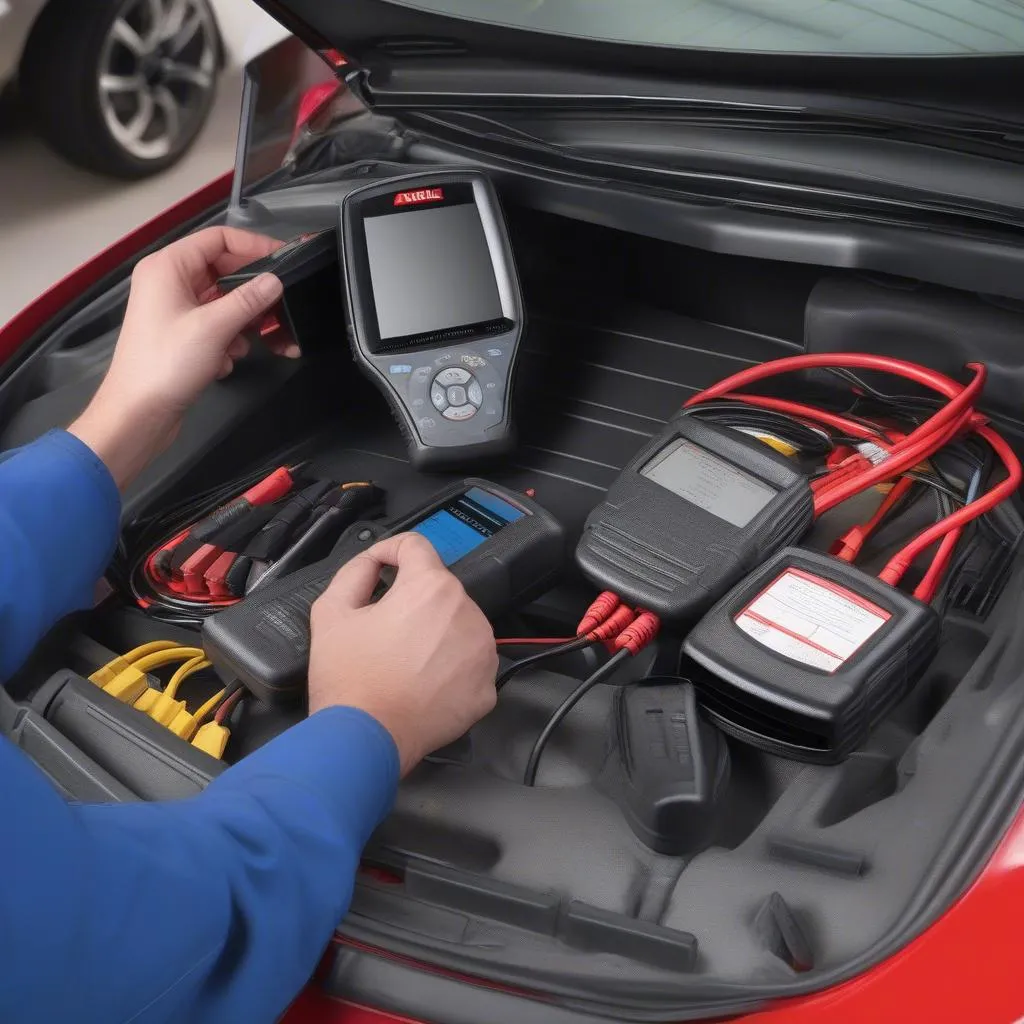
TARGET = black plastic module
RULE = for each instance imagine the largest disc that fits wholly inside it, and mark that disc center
(696, 510)
(504, 548)
(807, 654)
(669, 766)
(311, 312)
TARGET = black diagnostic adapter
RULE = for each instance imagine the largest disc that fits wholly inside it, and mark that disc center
(311, 311)
(504, 548)
(696, 510)
(669, 766)
(807, 654)
(435, 310)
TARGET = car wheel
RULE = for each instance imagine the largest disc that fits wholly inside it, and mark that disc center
(122, 87)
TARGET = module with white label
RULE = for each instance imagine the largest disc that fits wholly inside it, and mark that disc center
(806, 655)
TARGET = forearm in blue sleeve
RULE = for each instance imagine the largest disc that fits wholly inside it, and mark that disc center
(213, 909)
(59, 511)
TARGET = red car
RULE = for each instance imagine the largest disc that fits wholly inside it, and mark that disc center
(689, 189)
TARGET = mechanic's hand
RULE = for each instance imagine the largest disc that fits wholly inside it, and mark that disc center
(422, 660)
(178, 336)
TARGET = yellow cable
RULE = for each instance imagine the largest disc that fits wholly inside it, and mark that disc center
(125, 678)
(166, 709)
(147, 697)
(167, 657)
(195, 664)
(202, 712)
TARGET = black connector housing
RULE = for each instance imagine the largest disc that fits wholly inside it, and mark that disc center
(675, 557)
(669, 766)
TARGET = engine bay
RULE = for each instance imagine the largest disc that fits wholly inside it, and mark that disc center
(739, 848)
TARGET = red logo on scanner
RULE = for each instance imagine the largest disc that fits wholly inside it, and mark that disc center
(420, 195)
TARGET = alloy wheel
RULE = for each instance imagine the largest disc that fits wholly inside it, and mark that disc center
(157, 69)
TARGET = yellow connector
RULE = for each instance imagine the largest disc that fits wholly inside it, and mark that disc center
(164, 707)
(129, 686)
(127, 690)
(184, 724)
(212, 738)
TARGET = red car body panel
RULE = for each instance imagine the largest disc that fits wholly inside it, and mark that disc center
(968, 967)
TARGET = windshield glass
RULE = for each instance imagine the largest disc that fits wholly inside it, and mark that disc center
(833, 27)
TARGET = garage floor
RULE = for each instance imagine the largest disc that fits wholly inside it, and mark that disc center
(53, 216)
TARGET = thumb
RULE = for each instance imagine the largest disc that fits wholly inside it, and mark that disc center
(227, 317)
(355, 582)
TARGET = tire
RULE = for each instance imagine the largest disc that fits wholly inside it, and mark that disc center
(109, 93)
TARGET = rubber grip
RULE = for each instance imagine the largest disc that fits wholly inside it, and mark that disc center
(237, 576)
(275, 486)
(269, 543)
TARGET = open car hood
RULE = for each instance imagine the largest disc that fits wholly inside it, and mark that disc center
(456, 53)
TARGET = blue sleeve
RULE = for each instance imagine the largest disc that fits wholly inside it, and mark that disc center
(212, 909)
(59, 511)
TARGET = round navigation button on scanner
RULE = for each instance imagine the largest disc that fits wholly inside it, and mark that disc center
(476, 396)
(461, 412)
(457, 395)
(438, 397)
(453, 375)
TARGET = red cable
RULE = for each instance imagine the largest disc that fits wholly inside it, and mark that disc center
(902, 560)
(925, 590)
(843, 360)
(898, 463)
(857, 476)
(852, 541)
(850, 478)
(228, 703)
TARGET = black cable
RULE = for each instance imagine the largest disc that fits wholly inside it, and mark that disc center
(530, 775)
(940, 488)
(733, 413)
(573, 645)
(899, 401)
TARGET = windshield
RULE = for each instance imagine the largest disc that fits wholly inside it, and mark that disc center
(830, 27)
